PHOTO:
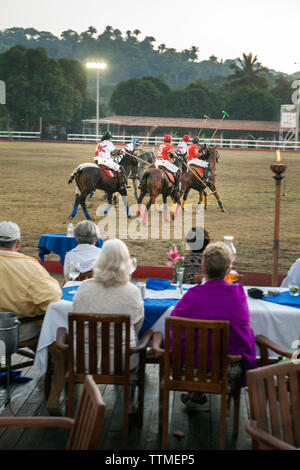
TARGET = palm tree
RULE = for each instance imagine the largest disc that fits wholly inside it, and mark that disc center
(247, 72)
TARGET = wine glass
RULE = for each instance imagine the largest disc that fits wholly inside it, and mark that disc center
(74, 271)
(133, 264)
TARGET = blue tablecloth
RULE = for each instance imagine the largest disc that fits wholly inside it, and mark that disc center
(59, 244)
(284, 298)
(154, 308)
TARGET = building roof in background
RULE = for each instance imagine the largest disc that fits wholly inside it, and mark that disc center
(190, 123)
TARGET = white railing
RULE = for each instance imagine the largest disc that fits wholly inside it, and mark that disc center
(19, 135)
(222, 143)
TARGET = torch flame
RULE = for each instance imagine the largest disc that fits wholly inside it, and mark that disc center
(278, 158)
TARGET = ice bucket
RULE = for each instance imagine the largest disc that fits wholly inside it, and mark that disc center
(9, 331)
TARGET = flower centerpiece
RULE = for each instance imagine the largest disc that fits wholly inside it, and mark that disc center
(176, 259)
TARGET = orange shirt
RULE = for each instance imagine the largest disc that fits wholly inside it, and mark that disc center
(192, 152)
(163, 151)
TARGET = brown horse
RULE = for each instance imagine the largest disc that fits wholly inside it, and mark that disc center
(192, 180)
(155, 182)
(91, 177)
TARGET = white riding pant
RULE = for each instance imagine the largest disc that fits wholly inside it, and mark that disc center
(197, 162)
(168, 165)
(109, 162)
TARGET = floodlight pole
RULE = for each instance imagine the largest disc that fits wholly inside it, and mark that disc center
(97, 106)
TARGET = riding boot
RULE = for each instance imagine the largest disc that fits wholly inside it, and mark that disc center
(177, 182)
(207, 174)
(122, 178)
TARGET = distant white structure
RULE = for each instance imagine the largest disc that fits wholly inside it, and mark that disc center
(2, 92)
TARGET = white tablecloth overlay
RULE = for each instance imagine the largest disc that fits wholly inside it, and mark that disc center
(279, 323)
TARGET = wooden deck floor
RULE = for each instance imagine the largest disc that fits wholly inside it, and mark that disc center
(200, 427)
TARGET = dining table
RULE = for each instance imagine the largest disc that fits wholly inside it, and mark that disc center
(60, 244)
(277, 317)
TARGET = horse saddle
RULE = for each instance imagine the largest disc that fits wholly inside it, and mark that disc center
(107, 170)
(168, 173)
(199, 170)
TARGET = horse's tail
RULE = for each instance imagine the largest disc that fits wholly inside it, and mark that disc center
(73, 174)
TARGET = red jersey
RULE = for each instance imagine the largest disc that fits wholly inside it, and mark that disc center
(192, 152)
(163, 151)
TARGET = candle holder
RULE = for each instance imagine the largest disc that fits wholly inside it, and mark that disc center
(278, 168)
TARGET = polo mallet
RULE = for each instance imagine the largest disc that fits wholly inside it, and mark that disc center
(204, 125)
(224, 115)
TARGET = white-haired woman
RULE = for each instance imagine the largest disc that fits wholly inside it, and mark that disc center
(85, 253)
(110, 290)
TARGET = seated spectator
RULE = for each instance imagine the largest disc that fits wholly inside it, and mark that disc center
(293, 276)
(197, 240)
(85, 253)
(219, 300)
(110, 290)
(26, 287)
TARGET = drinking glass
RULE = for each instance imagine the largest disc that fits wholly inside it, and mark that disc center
(293, 289)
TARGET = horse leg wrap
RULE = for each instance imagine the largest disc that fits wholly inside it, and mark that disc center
(145, 218)
(177, 210)
(74, 211)
(220, 204)
(136, 195)
(85, 211)
(183, 204)
(138, 212)
(107, 208)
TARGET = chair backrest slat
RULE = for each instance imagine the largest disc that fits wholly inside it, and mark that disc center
(283, 395)
(92, 338)
(295, 402)
(270, 388)
(105, 348)
(176, 353)
(79, 343)
(202, 353)
(118, 357)
(190, 353)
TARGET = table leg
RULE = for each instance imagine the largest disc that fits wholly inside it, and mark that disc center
(58, 358)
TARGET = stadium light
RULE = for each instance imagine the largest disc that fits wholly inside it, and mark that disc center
(97, 66)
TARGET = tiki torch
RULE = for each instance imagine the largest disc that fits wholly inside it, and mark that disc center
(278, 168)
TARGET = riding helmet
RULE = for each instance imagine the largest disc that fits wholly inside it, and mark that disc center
(167, 138)
(186, 138)
(137, 142)
(107, 135)
(195, 140)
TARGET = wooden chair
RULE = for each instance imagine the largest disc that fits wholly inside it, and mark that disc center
(86, 275)
(84, 430)
(203, 338)
(274, 395)
(265, 344)
(82, 360)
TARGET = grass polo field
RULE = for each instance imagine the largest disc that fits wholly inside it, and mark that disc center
(35, 194)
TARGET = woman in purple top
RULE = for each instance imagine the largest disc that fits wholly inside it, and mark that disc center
(219, 300)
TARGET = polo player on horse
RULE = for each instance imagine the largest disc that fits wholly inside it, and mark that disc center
(104, 149)
(197, 158)
(163, 159)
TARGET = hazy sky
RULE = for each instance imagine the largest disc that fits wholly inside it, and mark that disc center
(224, 28)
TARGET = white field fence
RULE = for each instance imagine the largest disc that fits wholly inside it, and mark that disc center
(19, 135)
(220, 143)
(155, 141)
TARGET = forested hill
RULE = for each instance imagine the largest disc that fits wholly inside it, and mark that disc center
(128, 54)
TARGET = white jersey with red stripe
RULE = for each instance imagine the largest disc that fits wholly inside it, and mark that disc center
(182, 148)
(104, 148)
